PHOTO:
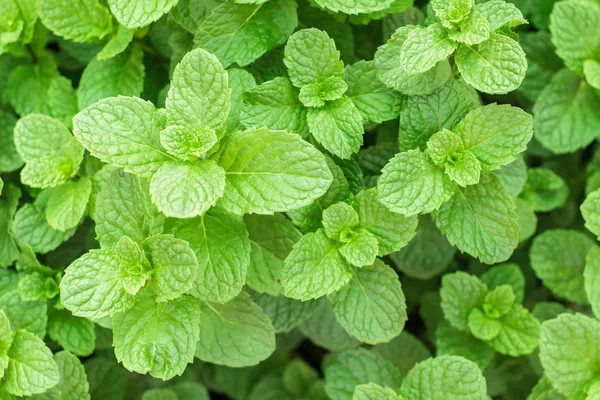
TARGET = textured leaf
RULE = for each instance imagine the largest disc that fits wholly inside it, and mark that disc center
(569, 351)
(361, 249)
(404, 351)
(355, 367)
(9, 202)
(519, 333)
(590, 211)
(454, 342)
(371, 307)
(73, 333)
(496, 66)
(506, 274)
(10, 160)
(138, 13)
(79, 20)
(157, 338)
(186, 190)
(73, 384)
(31, 368)
(323, 329)
(121, 75)
(424, 48)
(545, 190)
(412, 184)
(220, 241)
(480, 220)
(371, 391)
(27, 315)
(448, 377)
(339, 220)
(117, 44)
(125, 132)
(92, 286)
(337, 126)
(67, 204)
(460, 293)
(591, 276)
(558, 259)
(591, 70)
(314, 268)
(270, 171)
(501, 14)
(285, 314)
(496, 134)
(235, 334)
(241, 33)
(564, 117)
(240, 82)
(275, 104)
(30, 227)
(355, 6)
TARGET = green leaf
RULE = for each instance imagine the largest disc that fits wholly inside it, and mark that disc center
(138, 13)
(424, 48)
(117, 44)
(123, 208)
(543, 390)
(404, 351)
(392, 231)
(354, 367)
(187, 144)
(361, 249)
(412, 184)
(460, 293)
(241, 33)
(67, 204)
(337, 126)
(473, 30)
(157, 338)
(591, 275)
(73, 384)
(270, 171)
(451, 12)
(427, 254)
(496, 66)
(92, 286)
(444, 146)
(10, 160)
(271, 240)
(371, 307)
(124, 132)
(519, 333)
(590, 211)
(74, 334)
(355, 6)
(311, 57)
(30, 227)
(496, 134)
(42, 141)
(558, 259)
(465, 170)
(501, 14)
(482, 326)
(199, 95)
(506, 274)
(323, 329)
(240, 82)
(31, 368)
(275, 104)
(454, 342)
(175, 267)
(314, 268)
(545, 190)
(220, 241)
(575, 31)
(480, 220)
(285, 314)
(448, 377)
(371, 391)
(317, 93)
(121, 75)
(564, 117)
(591, 70)
(236, 334)
(374, 101)
(513, 176)
(569, 349)
(9, 202)
(499, 301)
(79, 20)
(27, 315)
(187, 189)
(160, 394)
(339, 220)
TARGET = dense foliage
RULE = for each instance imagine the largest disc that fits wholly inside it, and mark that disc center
(299, 199)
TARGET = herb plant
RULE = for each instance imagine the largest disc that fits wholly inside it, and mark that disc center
(299, 199)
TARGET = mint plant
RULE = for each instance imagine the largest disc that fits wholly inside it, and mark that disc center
(299, 199)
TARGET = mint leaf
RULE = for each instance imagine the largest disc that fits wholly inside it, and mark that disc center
(591, 213)
(285, 314)
(544, 190)
(80, 20)
(31, 368)
(121, 75)
(275, 104)
(67, 204)
(371, 307)
(371, 391)
(323, 329)
(337, 126)
(241, 33)
(125, 132)
(186, 190)
(10, 159)
(117, 44)
(488, 226)
(157, 338)
(339, 220)
(519, 333)
(412, 184)
(92, 286)
(235, 334)
(314, 268)
(73, 382)
(74, 334)
(424, 48)
(460, 293)
(361, 249)
(31, 228)
(317, 93)
(135, 14)
(276, 171)
(590, 277)
(506, 274)
(31, 316)
(501, 14)
(495, 66)
(9, 202)
(591, 70)
(561, 271)
(355, 6)
(454, 342)
(450, 377)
